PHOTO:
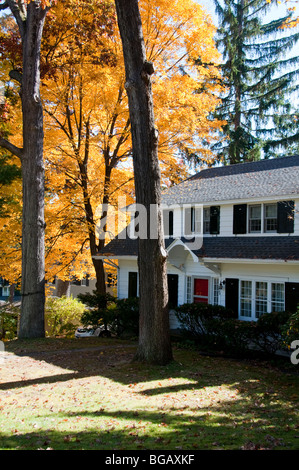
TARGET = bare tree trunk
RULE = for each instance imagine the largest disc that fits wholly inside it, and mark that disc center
(154, 337)
(33, 228)
(62, 288)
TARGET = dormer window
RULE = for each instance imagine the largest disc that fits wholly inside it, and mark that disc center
(264, 218)
(254, 218)
(270, 218)
(192, 220)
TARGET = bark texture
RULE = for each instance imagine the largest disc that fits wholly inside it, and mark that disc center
(154, 337)
(33, 228)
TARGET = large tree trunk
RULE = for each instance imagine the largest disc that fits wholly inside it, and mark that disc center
(33, 230)
(154, 337)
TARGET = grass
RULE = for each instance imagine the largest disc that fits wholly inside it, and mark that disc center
(88, 394)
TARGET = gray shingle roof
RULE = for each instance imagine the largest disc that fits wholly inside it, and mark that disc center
(276, 177)
(264, 178)
(262, 248)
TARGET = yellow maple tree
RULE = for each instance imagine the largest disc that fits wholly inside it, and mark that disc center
(87, 130)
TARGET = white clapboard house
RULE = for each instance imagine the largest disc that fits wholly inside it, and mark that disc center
(232, 237)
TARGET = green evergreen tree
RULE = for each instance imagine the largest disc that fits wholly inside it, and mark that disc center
(260, 79)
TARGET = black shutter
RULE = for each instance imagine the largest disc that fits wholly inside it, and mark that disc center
(232, 295)
(214, 220)
(173, 283)
(285, 217)
(240, 214)
(132, 288)
(291, 296)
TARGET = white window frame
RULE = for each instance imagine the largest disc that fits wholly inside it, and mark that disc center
(254, 219)
(5, 291)
(263, 218)
(206, 220)
(253, 298)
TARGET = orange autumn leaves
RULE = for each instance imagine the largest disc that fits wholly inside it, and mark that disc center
(86, 112)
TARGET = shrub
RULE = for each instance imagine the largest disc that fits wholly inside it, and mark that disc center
(121, 316)
(199, 319)
(214, 326)
(101, 309)
(268, 331)
(127, 316)
(290, 331)
(9, 318)
(62, 315)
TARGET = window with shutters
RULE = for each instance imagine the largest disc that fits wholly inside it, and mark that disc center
(264, 218)
(193, 220)
(211, 220)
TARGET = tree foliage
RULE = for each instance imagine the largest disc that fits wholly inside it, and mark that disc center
(88, 145)
(260, 77)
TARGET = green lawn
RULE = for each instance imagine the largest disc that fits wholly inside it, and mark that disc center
(88, 394)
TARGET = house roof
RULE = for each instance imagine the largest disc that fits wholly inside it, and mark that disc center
(264, 178)
(256, 248)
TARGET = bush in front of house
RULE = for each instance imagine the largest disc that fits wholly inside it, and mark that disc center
(268, 332)
(213, 326)
(290, 331)
(100, 310)
(62, 315)
(200, 321)
(120, 316)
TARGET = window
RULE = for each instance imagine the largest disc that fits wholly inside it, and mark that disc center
(188, 289)
(5, 291)
(193, 220)
(277, 297)
(211, 220)
(254, 218)
(206, 220)
(264, 218)
(246, 299)
(215, 291)
(260, 297)
(270, 218)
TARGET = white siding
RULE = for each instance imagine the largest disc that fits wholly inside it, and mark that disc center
(226, 218)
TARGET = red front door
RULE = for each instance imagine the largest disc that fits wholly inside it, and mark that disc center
(201, 290)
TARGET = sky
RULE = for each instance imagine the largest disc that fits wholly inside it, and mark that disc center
(277, 11)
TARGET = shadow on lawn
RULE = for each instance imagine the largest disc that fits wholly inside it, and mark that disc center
(258, 409)
(152, 430)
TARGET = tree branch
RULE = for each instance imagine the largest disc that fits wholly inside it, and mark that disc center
(19, 11)
(12, 148)
(4, 6)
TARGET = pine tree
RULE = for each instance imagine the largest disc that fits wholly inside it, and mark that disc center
(260, 78)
